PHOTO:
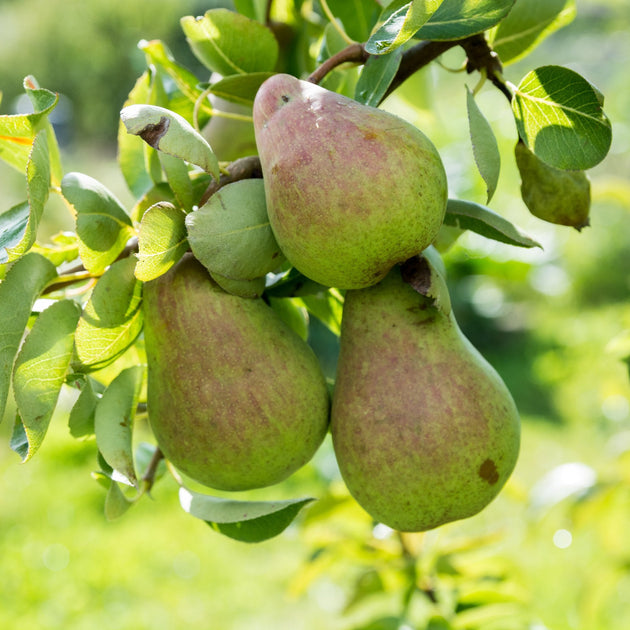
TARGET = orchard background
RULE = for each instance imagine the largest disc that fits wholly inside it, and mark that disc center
(551, 552)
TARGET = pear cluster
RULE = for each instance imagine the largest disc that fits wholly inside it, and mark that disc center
(424, 430)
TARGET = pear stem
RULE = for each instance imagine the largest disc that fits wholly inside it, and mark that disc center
(354, 53)
(149, 476)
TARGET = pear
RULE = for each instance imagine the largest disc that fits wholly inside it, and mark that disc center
(424, 430)
(351, 189)
(236, 399)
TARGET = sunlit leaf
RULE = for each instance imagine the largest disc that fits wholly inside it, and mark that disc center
(161, 240)
(18, 131)
(217, 39)
(327, 307)
(293, 314)
(560, 118)
(23, 284)
(40, 369)
(103, 226)
(398, 22)
(485, 147)
(467, 215)
(239, 88)
(231, 235)
(376, 77)
(37, 188)
(40, 99)
(247, 521)
(112, 318)
(187, 83)
(456, 19)
(171, 133)
(527, 24)
(113, 421)
(132, 151)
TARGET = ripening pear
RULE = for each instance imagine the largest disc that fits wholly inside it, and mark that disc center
(235, 398)
(424, 430)
(351, 189)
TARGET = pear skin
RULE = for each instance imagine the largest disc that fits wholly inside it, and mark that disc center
(424, 430)
(236, 399)
(351, 189)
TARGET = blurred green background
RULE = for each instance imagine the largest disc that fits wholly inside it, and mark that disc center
(552, 552)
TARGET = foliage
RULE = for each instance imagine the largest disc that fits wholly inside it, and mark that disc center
(78, 297)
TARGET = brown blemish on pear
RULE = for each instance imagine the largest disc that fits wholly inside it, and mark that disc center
(424, 430)
(351, 190)
(236, 399)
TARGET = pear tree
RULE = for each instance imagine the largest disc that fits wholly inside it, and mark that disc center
(275, 195)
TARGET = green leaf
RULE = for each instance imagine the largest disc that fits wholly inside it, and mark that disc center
(37, 188)
(161, 240)
(178, 178)
(467, 215)
(382, 623)
(116, 503)
(24, 281)
(112, 318)
(13, 225)
(187, 83)
(527, 24)
(103, 226)
(169, 132)
(254, 9)
(398, 22)
(231, 235)
(484, 144)
(247, 521)
(560, 118)
(18, 131)
(81, 420)
(552, 194)
(132, 151)
(357, 16)
(292, 313)
(113, 421)
(456, 19)
(240, 88)
(327, 307)
(63, 247)
(40, 98)
(376, 77)
(217, 39)
(40, 369)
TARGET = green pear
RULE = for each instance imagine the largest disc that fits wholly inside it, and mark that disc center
(235, 398)
(424, 430)
(552, 194)
(351, 189)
